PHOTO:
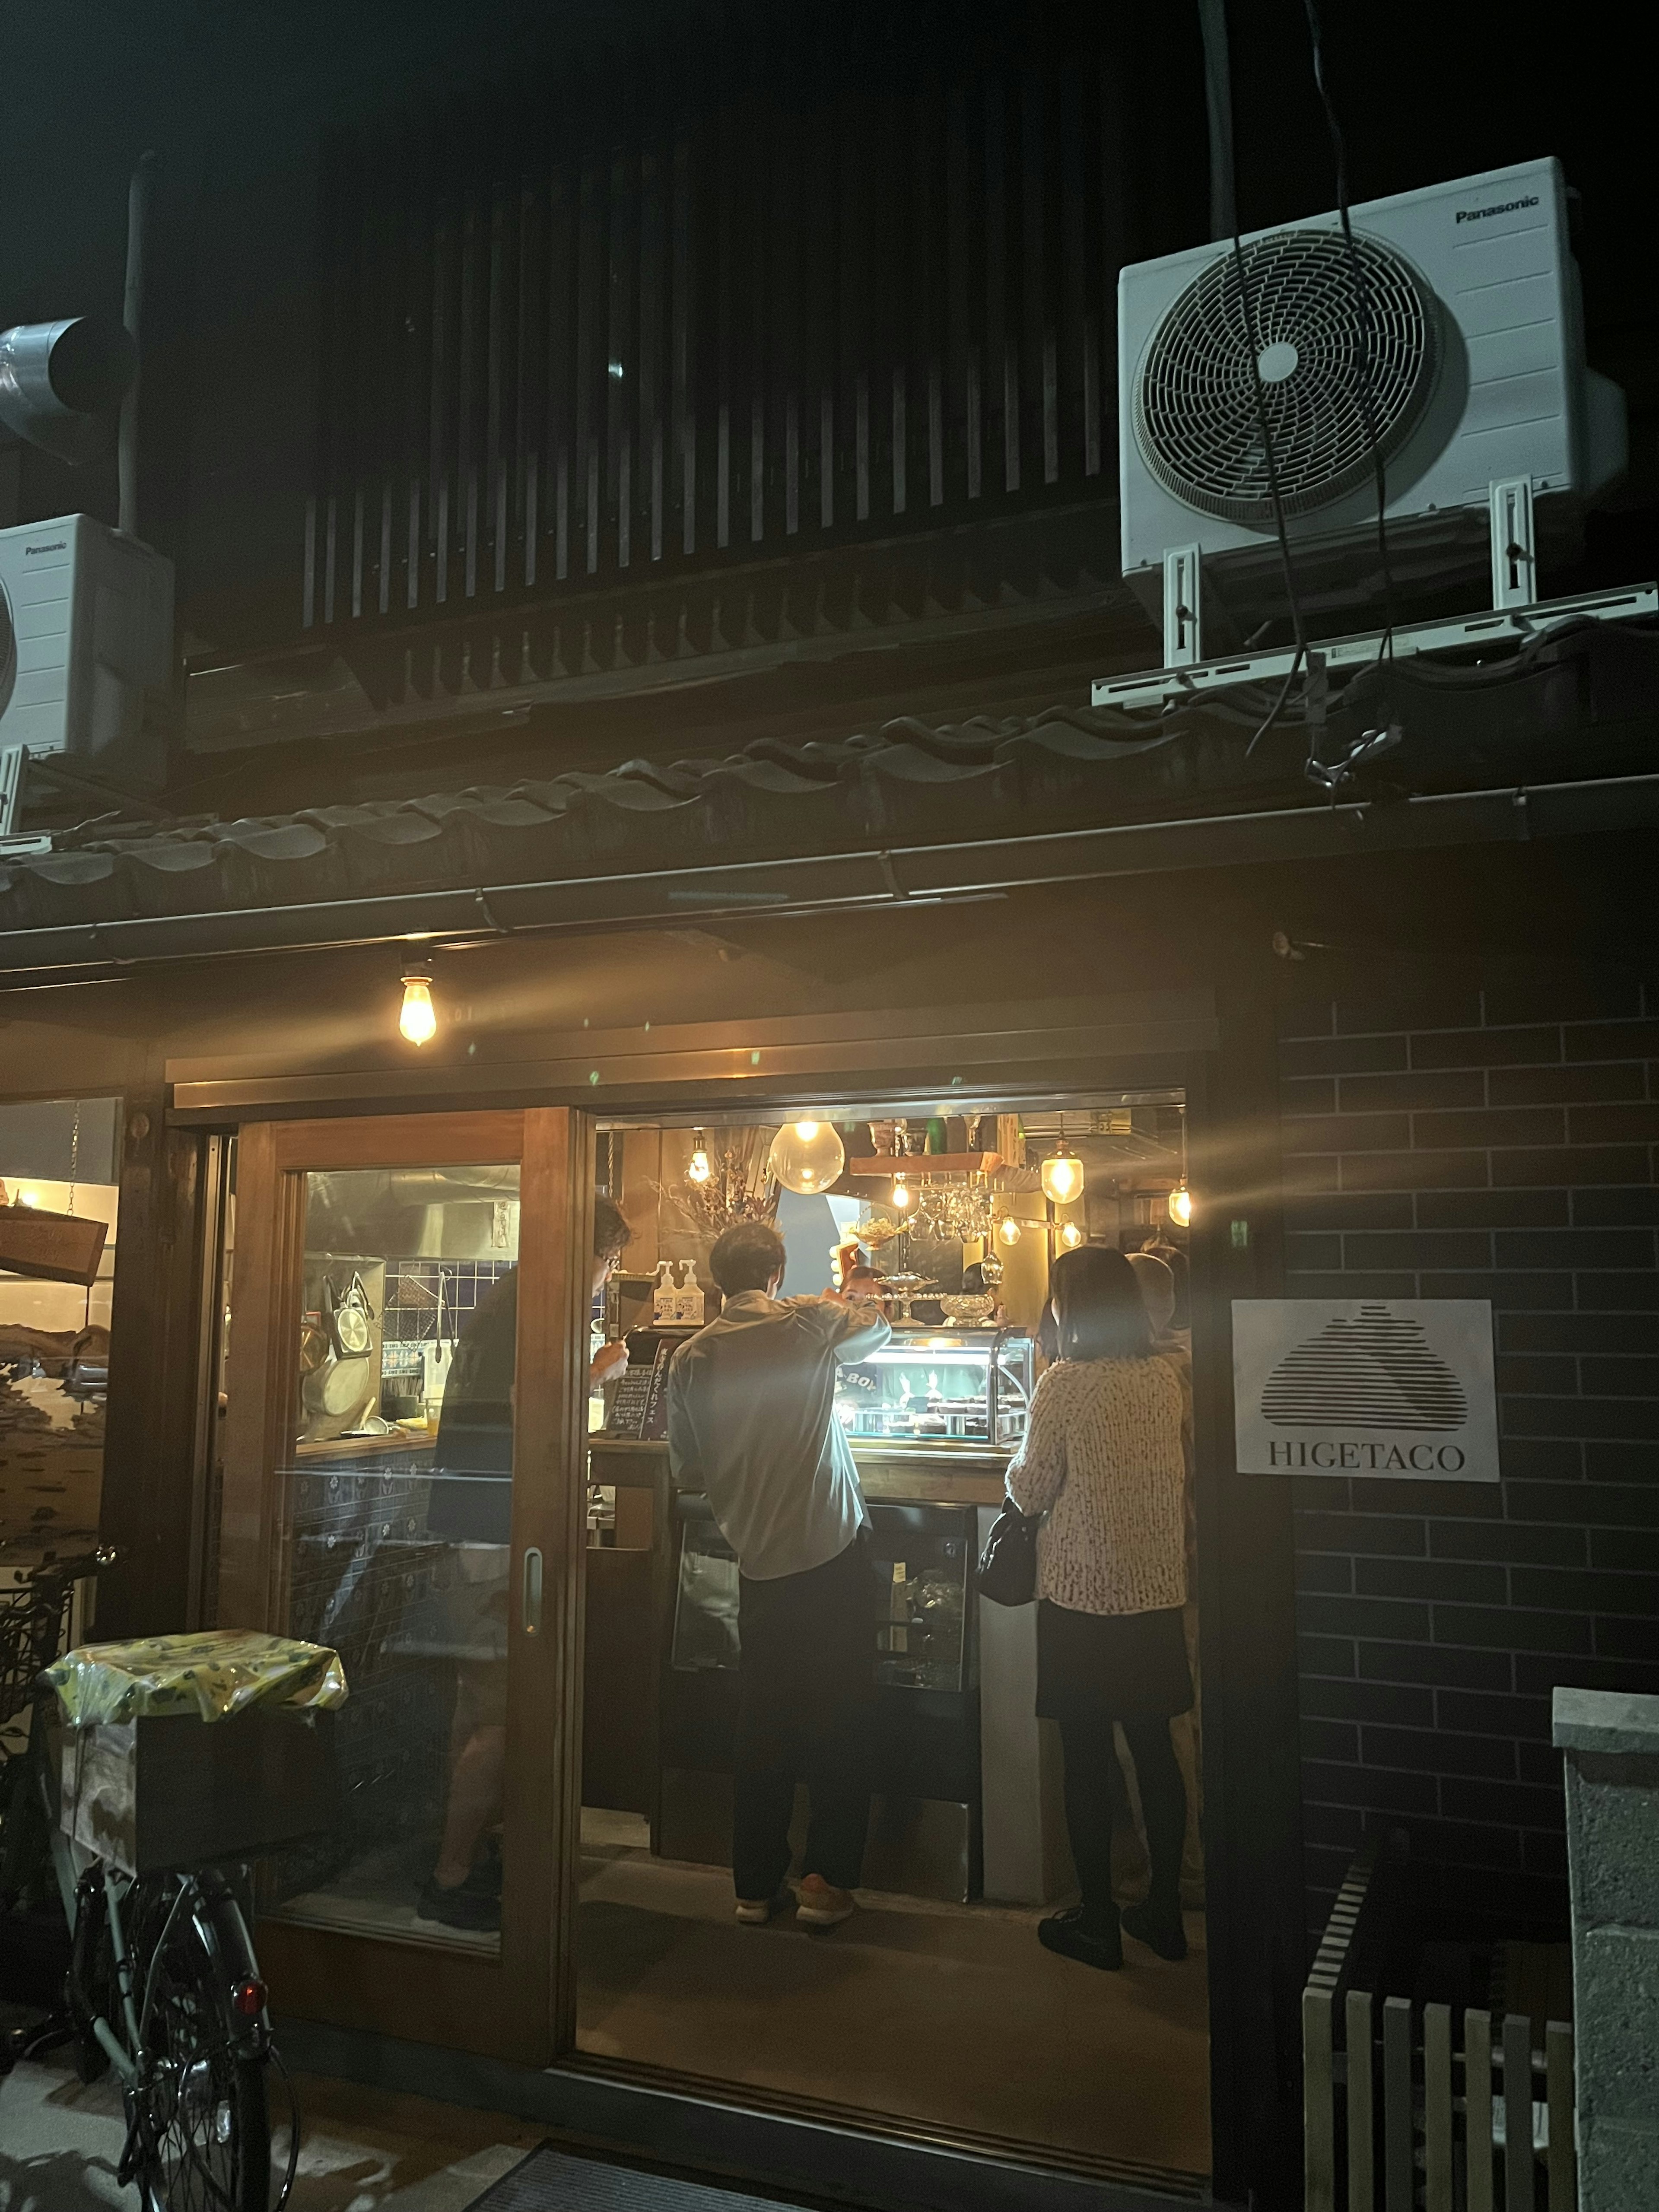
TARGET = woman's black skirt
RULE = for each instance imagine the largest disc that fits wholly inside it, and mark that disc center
(1111, 1665)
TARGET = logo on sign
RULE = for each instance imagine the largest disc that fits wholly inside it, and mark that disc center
(1373, 1387)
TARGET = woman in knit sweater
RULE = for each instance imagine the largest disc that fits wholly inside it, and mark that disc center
(1103, 1462)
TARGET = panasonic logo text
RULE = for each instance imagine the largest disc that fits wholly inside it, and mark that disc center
(58, 545)
(1509, 207)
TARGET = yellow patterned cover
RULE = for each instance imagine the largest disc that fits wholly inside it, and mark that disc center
(213, 1676)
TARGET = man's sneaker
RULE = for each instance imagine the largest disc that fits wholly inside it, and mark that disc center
(1094, 1942)
(460, 1908)
(1159, 1931)
(756, 1912)
(819, 1904)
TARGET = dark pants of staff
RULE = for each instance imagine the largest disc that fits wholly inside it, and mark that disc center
(805, 1692)
(1094, 1783)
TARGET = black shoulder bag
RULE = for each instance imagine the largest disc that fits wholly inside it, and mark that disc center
(1007, 1565)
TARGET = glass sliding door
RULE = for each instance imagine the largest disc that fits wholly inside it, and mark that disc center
(400, 1485)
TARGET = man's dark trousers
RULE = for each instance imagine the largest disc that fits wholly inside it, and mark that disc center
(806, 1708)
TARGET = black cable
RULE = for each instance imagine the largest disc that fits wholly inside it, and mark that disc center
(1299, 627)
(1367, 326)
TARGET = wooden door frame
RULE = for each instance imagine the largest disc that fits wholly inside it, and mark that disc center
(520, 2007)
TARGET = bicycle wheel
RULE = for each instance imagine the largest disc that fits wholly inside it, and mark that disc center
(203, 2135)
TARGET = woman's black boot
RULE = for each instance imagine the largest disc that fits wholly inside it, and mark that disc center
(1091, 1938)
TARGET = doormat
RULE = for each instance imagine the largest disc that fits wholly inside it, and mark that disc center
(550, 2180)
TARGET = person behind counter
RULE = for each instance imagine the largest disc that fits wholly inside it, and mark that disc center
(472, 1508)
(1103, 1460)
(751, 1425)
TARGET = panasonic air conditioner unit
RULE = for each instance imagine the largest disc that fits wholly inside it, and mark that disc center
(1449, 338)
(86, 631)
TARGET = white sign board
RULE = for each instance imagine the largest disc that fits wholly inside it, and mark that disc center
(1399, 1386)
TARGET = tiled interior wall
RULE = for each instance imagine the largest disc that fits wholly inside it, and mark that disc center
(1452, 1141)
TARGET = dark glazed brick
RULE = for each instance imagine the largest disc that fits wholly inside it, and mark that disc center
(1631, 1293)
(1331, 1656)
(1308, 1095)
(1346, 1132)
(1528, 1048)
(1345, 1209)
(1619, 1378)
(1394, 1537)
(1330, 1740)
(1533, 1543)
(1618, 1637)
(1362, 1616)
(1438, 1665)
(1571, 1163)
(1341, 1055)
(1581, 1417)
(1334, 1827)
(1585, 1589)
(1426, 1751)
(1609, 1333)
(1546, 1854)
(1575, 1248)
(1530, 1375)
(1417, 1248)
(1466, 1582)
(1614, 1125)
(1414, 1170)
(1613, 1207)
(1371, 1701)
(1617, 1462)
(1323, 1572)
(1538, 1763)
(1566, 1086)
(1305, 1255)
(1478, 1845)
(1635, 1549)
(1512, 1125)
(1377, 1792)
(1310, 1173)
(1532, 1459)
(1505, 1800)
(1580, 1674)
(1599, 1504)
(1413, 1089)
(1540, 1292)
(1493, 1209)
(1405, 1494)
(1352, 1287)
(1614, 1041)
(1507, 1628)
(1526, 1719)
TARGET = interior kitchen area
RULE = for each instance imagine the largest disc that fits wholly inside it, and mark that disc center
(936, 2003)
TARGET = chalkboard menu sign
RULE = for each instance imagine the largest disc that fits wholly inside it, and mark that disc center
(640, 1406)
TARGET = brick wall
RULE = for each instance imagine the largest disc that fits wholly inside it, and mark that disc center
(1458, 1142)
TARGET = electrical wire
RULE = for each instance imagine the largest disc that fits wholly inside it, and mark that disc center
(1366, 323)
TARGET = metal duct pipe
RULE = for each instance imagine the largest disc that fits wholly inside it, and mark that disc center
(437, 1186)
(132, 314)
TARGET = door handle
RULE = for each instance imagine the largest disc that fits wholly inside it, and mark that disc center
(532, 1592)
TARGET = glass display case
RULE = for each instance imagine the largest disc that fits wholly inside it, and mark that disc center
(963, 1388)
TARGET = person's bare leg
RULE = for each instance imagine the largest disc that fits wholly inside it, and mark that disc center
(475, 1803)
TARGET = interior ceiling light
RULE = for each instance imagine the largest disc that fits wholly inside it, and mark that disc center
(1062, 1175)
(806, 1156)
(904, 1197)
(697, 1169)
(1181, 1205)
(1071, 1235)
(418, 1020)
(1008, 1230)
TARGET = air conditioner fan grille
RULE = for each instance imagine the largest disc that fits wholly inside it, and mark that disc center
(1196, 414)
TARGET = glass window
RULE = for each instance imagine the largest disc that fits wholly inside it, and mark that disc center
(400, 1513)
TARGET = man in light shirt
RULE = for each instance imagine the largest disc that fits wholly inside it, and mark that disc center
(751, 1424)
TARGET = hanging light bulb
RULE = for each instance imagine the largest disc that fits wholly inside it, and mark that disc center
(1062, 1175)
(1008, 1230)
(418, 1020)
(1071, 1235)
(697, 1170)
(806, 1156)
(1181, 1205)
(904, 1196)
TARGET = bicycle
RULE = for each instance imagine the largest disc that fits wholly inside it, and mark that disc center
(163, 1985)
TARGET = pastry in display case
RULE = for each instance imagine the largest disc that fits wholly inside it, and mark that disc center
(953, 1387)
